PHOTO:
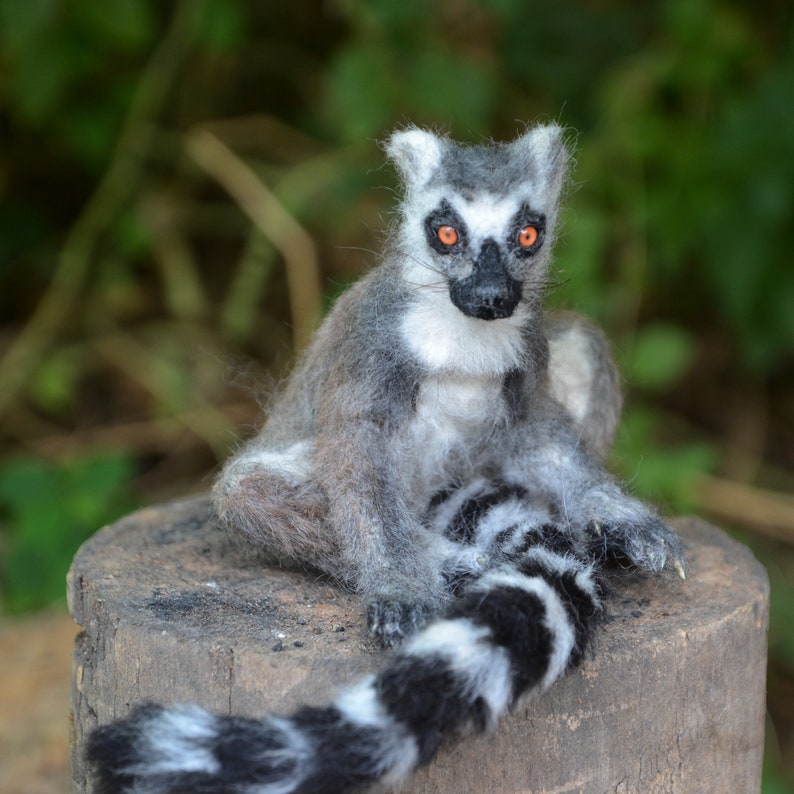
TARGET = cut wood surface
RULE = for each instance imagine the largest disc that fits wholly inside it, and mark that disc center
(672, 700)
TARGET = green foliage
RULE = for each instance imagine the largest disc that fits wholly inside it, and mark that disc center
(661, 464)
(774, 781)
(666, 473)
(219, 24)
(660, 355)
(54, 386)
(396, 60)
(781, 573)
(677, 235)
(51, 51)
(695, 147)
(46, 511)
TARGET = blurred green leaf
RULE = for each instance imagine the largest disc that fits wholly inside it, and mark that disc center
(120, 24)
(451, 88)
(220, 23)
(660, 354)
(774, 781)
(46, 511)
(661, 472)
(55, 383)
(22, 25)
(362, 91)
(579, 262)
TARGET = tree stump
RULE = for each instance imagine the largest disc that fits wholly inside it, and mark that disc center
(672, 700)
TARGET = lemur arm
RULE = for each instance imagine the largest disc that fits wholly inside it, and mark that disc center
(388, 556)
(551, 458)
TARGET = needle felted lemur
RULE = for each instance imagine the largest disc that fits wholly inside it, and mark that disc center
(438, 450)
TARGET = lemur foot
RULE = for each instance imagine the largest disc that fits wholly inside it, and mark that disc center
(392, 622)
(649, 545)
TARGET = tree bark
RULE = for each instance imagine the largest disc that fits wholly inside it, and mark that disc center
(672, 700)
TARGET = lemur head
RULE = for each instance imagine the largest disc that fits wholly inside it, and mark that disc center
(480, 219)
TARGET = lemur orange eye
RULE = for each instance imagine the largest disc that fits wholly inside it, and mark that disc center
(448, 235)
(527, 237)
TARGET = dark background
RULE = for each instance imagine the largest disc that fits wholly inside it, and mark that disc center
(184, 184)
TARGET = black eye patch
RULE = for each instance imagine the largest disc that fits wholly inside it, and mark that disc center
(527, 218)
(439, 225)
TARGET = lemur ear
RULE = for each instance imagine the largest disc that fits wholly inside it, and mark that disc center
(541, 150)
(416, 153)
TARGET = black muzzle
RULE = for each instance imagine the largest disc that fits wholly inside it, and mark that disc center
(490, 292)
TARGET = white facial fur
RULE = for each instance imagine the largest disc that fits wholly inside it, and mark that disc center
(534, 177)
(485, 215)
(416, 152)
(435, 330)
(440, 334)
(445, 339)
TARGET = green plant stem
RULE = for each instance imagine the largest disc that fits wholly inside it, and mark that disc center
(184, 292)
(273, 220)
(114, 190)
(248, 285)
(149, 370)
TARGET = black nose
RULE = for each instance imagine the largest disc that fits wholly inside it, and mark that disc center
(490, 292)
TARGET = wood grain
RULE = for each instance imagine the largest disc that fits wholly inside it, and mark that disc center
(672, 701)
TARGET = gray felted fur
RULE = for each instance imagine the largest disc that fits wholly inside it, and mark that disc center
(438, 448)
(438, 367)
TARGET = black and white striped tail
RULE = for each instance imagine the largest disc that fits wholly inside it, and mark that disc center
(516, 629)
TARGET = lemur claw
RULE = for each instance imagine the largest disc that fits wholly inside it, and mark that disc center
(649, 545)
(679, 568)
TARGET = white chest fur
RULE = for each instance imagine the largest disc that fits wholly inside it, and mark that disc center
(455, 414)
(446, 340)
(460, 401)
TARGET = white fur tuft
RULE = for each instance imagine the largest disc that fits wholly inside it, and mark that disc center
(544, 147)
(572, 378)
(292, 463)
(174, 740)
(416, 153)
(398, 754)
(469, 652)
(556, 619)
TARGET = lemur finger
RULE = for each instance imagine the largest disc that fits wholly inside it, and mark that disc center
(649, 545)
(391, 622)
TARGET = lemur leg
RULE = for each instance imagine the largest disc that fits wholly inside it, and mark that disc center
(322, 504)
(583, 378)
(551, 455)
(269, 500)
(584, 381)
